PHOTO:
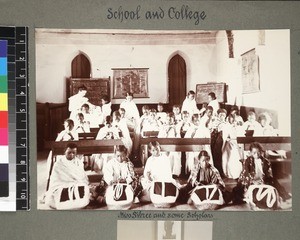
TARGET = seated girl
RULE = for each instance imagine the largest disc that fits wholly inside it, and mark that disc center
(252, 126)
(238, 120)
(203, 173)
(151, 123)
(91, 118)
(257, 170)
(185, 124)
(68, 187)
(169, 131)
(120, 169)
(161, 115)
(196, 130)
(265, 121)
(69, 133)
(207, 118)
(122, 129)
(131, 112)
(107, 132)
(81, 125)
(157, 168)
(144, 117)
(177, 114)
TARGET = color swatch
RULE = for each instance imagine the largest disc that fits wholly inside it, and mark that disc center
(4, 160)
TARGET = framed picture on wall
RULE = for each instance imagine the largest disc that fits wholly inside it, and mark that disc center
(250, 72)
(169, 230)
(133, 80)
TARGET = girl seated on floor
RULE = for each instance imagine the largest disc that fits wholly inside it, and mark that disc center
(68, 187)
(203, 173)
(169, 130)
(257, 170)
(157, 168)
(151, 123)
(81, 126)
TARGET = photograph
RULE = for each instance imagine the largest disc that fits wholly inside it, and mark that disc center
(164, 230)
(163, 120)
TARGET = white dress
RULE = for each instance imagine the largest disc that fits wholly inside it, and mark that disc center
(192, 157)
(231, 157)
(190, 106)
(168, 131)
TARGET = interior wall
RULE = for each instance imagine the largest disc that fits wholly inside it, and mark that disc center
(274, 71)
(54, 58)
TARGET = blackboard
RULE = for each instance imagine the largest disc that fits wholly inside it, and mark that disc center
(96, 88)
(202, 91)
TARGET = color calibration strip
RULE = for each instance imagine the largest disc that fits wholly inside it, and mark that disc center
(4, 160)
(17, 91)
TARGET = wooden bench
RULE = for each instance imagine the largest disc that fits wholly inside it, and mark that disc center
(87, 136)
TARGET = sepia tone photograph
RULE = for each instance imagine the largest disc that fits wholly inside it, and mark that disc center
(163, 120)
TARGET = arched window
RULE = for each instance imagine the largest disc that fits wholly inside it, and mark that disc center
(81, 67)
(177, 80)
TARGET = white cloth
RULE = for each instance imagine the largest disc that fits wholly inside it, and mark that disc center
(215, 105)
(258, 130)
(190, 106)
(106, 110)
(131, 110)
(115, 170)
(67, 136)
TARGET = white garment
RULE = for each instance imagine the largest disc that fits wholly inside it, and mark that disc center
(67, 136)
(192, 157)
(162, 117)
(258, 130)
(106, 110)
(115, 170)
(82, 127)
(131, 110)
(215, 105)
(190, 106)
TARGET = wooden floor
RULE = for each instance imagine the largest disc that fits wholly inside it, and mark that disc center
(42, 176)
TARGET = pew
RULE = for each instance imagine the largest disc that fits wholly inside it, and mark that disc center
(150, 134)
(87, 136)
(83, 147)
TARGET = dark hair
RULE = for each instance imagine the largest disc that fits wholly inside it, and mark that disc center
(213, 95)
(120, 148)
(122, 109)
(209, 108)
(105, 98)
(160, 104)
(108, 120)
(204, 153)
(222, 110)
(129, 94)
(153, 110)
(82, 87)
(251, 113)
(154, 144)
(85, 106)
(70, 122)
(176, 106)
(146, 107)
(117, 114)
(191, 92)
(185, 113)
(70, 145)
(171, 114)
(235, 108)
(80, 115)
(258, 146)
(195, 116)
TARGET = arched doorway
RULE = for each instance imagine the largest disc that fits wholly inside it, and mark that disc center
(177, 80)
(81, 67)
